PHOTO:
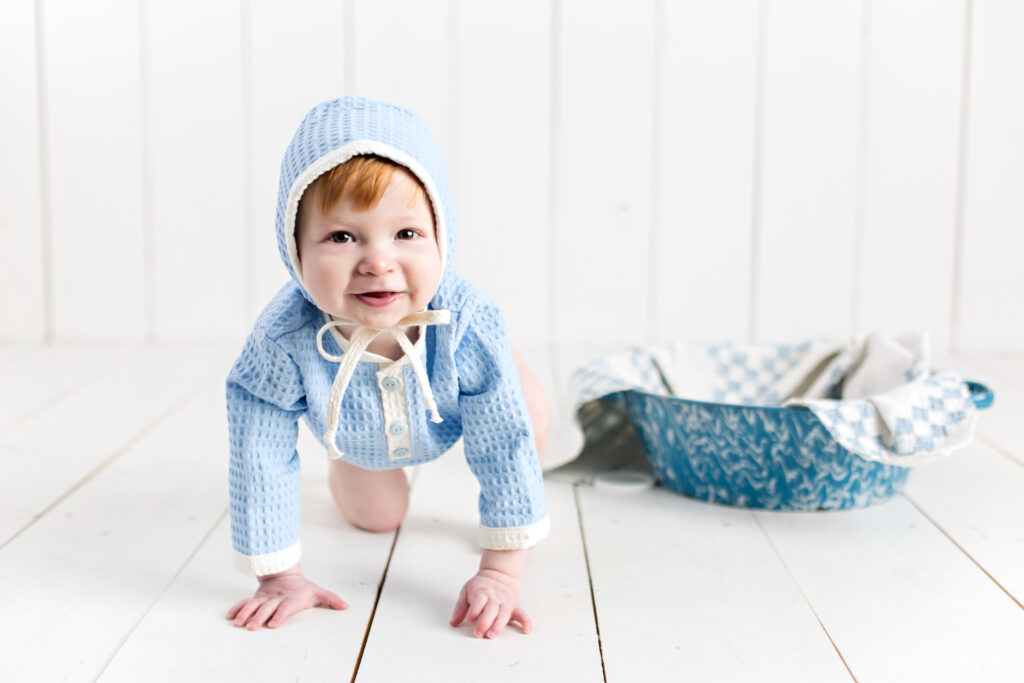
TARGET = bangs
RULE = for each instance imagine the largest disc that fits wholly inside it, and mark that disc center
(364, 178)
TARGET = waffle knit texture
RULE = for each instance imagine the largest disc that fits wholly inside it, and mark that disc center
(280, 377)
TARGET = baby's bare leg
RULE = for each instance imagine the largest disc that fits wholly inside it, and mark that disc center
(536, 403)
(370, 500)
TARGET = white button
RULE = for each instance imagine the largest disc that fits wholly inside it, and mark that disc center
(400, 452)
(398, 428)
(389, 383)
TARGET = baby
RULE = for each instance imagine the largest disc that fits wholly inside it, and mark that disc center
(389, 356)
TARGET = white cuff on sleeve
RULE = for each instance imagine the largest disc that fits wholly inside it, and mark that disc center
(515, 537)
(271, 563)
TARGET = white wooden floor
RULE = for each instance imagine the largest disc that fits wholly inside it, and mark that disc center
(115, 558)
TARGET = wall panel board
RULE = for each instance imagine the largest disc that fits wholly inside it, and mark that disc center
(705, 179)
(23, 302)
(94, 124)
(992, 315)
(501, 158)
(803, 269)
(910, 175)
(400, 55)
(199, 254)
(603, 217)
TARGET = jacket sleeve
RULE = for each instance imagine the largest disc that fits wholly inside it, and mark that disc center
(265, 398)
(498, 435)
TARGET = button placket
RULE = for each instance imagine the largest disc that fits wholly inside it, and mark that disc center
(395, 412)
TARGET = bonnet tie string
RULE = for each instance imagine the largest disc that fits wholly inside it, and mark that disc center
(358, 343)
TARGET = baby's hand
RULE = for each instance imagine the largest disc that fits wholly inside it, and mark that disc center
(491, 599)
(280, 596)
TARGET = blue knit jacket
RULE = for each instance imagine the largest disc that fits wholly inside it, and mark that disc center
(281, 376)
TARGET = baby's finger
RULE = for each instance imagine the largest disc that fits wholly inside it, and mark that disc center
(486, 620)
(236, 607)
(326, 598)
(476, 605)
(288, 607)
(524, 621)
(247, 610)
(461, 607)
(504, 614)
(263, 613)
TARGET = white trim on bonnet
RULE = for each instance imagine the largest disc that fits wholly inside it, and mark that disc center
(339, 156)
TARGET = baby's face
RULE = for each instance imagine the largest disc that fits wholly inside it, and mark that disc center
(372, 266)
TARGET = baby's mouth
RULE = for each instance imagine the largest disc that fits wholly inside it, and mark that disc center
(378, 299)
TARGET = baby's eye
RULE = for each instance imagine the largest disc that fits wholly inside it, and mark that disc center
(407, 234)
(341, 237)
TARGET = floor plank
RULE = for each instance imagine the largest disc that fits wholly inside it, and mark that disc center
(684, 586)
(976, 496)
(44, 376)
(10, 354)
(186, 638)
(133, 560)
(45, 456)
(86, 572)
(899, 600)
(437, 553)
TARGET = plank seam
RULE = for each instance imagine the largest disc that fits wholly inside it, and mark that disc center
(554, 164)
(960, 548)
(376, 601)
(758, 162)
(383, 577)
(590, 577)
(45, 212)
(146, 430)
(173, 579)
(959, 234)
(860, 179)
(249, 303)
(796, 583)
(453, 14)
(348, 51)
(654, 196)
(148, 231)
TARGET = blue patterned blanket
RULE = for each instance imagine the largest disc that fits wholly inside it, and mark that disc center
(875, 395)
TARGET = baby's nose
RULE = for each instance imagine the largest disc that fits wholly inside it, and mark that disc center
(377, 261)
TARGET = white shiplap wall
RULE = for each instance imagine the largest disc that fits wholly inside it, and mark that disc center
(624, 171)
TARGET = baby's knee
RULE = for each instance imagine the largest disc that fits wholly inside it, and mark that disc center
(540, 415)
(373, 501)
(377, 519)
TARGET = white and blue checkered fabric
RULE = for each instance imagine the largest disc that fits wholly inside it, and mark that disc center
(925, 417)
(924, 425)
(874, 395)
(617, 372)
(750, 375)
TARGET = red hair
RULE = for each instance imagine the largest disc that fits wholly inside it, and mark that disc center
(365, 178)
